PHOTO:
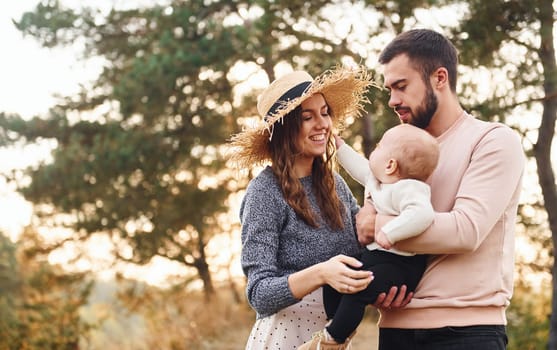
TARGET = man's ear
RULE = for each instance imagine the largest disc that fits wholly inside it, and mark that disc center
(392, 167)
(440, 77)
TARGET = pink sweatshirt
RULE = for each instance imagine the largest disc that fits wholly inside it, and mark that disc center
(474, 191)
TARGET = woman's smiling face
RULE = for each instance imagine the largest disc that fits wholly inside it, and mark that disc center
(315, 129)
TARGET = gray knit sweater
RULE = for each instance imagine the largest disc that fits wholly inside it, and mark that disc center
(276, 243)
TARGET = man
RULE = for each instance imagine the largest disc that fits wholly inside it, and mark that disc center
(461, 300)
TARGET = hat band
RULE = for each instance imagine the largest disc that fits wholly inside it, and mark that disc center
(291, 94)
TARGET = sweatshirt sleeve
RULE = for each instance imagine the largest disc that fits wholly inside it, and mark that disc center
(260, 214)
(412, 199)
(354, 163)
(488, 186)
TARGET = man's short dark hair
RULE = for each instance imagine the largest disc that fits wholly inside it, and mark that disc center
(427, 50)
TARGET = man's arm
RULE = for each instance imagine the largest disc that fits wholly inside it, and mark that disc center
(490, 182)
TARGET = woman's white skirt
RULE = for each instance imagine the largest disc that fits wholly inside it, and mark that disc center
(291, 326)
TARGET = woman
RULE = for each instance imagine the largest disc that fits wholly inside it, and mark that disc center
(297, 216)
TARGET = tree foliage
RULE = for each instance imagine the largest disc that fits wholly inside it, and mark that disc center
(528, 327)
(39, 303)
(138, 153)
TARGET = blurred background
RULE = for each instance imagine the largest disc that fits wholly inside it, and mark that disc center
(118, 212)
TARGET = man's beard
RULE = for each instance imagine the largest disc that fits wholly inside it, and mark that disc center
(425, 112)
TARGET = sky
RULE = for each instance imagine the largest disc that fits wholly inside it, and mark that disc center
(30, 76)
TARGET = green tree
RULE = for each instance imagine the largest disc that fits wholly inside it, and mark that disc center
(148, 168)
(9, 286)
(528, 322)
(139, 153)
(39, 303)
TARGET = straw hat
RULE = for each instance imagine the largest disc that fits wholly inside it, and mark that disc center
(344, 90)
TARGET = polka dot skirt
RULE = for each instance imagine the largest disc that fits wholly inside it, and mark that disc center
(291, 326)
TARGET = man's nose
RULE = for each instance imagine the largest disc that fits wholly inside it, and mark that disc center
(394, 100)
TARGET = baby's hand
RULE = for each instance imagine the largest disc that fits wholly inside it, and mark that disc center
(382, 240)
(338, 141)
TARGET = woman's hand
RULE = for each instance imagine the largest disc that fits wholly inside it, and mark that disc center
(340, 273)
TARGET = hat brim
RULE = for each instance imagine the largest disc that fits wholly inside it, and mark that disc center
(344, 90)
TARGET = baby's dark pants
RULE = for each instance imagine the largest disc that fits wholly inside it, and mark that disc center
(347, 310)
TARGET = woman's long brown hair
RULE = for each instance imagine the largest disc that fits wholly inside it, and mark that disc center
(283, 151)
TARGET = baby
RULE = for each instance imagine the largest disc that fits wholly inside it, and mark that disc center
(394, 181)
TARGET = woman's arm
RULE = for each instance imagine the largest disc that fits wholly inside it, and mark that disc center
(336, 272)
(269, 288)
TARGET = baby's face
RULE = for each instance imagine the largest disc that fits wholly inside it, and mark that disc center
(379, 158)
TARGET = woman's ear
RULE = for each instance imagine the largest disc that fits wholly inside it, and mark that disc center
(392, 167)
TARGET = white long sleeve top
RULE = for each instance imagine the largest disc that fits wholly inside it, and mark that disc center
(407, 199)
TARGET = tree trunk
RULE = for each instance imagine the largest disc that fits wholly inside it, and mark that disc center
(205, 275)
(542, 148)
(368, 134)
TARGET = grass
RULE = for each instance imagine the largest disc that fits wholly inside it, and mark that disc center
(178, 320)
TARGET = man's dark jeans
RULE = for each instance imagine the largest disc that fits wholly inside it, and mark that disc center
(483, 337)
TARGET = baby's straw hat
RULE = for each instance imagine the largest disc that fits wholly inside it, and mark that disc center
(344, 90)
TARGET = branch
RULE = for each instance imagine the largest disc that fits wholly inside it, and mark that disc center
(518, 42)
(539, 99)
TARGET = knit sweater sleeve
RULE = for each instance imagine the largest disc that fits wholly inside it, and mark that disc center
(261, 215)
(347, 198)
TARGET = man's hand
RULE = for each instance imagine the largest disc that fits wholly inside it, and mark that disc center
(365, 223)
(393, 300)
